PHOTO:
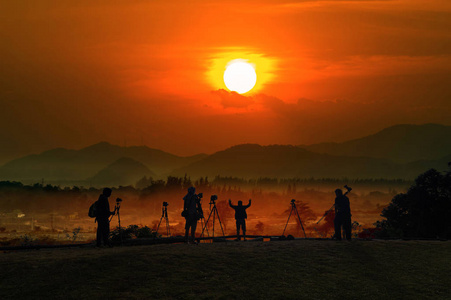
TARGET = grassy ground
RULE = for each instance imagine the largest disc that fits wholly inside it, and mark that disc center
(234, 270)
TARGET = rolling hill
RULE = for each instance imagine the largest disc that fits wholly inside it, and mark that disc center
(400, 143)
(124, 171)
(64, 165)
(401, 151)
(254, 161)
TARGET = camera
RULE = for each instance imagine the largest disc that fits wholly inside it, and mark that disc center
(292, 200)
(200, 195)
(118, 200)
(165, 203)
(213, 198)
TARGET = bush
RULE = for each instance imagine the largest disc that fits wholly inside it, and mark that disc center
(132, 232)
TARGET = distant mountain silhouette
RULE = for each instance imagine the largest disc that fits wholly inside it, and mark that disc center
(401, 151)
(63, 165)
(254, 161)
(400, 143)
(124, 171)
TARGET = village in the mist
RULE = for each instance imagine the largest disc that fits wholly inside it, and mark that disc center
(50, 193)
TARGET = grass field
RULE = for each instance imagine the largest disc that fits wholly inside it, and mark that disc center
(297, 269)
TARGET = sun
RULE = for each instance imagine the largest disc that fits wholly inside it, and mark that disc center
(240, 76)
(221, 70)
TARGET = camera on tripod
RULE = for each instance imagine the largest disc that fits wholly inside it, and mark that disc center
(294, 211)
(118, 205)
(164, 215)
(213, 198)
(214, 212)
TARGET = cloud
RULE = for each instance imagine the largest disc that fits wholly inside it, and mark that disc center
(308, 121)
(256, 101)
(233, 99)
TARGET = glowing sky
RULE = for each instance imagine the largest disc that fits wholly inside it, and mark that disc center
(74, 73)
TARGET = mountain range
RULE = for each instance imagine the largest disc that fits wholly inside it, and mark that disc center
(91, 163)
(401, 151)
(253, 161)
(400, 143)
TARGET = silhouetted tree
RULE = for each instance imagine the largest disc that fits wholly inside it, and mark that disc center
(174, 183)
(186, 182)
(424, 211)
(202, 183)
(144, 182)
(157, 186)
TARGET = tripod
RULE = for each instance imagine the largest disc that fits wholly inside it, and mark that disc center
(295, 210)
(164, 214)
(204, 225)
(214, 212)
(200, 211)
(117, 209)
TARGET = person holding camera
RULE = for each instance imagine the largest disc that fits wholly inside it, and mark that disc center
(103, 214)
(190, 212)
(240, 217)
(342, 214)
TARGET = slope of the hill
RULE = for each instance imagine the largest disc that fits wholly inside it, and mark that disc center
(65, 165)
(253, 161)
(124, 171)
(400, 143)
(400, 151)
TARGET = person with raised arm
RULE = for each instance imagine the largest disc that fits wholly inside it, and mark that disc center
(240, 217)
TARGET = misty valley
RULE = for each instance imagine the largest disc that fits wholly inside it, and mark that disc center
(48, 194)
(60, 214)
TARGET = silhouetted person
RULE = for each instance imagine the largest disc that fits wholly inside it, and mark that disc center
(103, 214)
(342, 215)
(190, 212)
(240, 217)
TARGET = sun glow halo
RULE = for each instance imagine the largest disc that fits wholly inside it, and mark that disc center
(263, 65)
(240, 76)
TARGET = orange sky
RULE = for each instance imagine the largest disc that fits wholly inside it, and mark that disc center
(145, 72)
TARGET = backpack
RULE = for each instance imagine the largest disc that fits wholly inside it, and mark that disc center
(93, 210)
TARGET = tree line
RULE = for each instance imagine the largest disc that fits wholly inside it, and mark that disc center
(424, 211)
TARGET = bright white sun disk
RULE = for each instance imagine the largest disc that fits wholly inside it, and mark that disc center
(240, 76)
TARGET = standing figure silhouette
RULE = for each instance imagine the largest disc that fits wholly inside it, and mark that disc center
(342, 215)
(191, 206)
(240, 217)
(103, 214)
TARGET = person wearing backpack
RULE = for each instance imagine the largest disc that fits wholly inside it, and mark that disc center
(103, 213)
(191, 208)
